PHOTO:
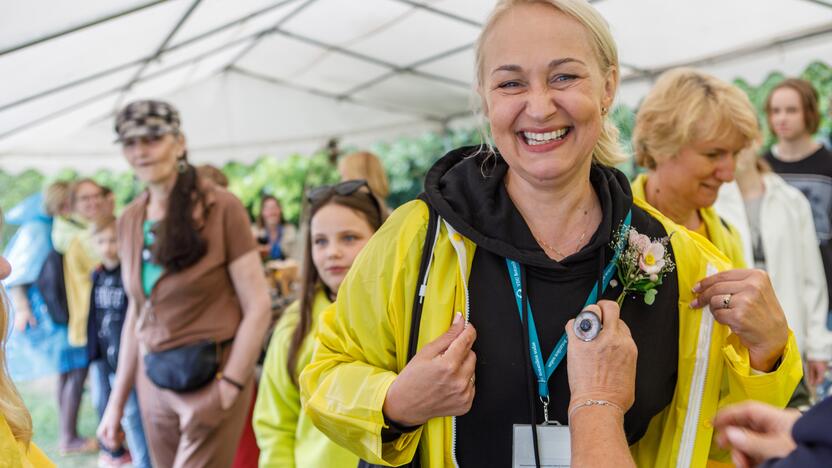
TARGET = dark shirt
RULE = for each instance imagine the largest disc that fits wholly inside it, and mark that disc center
(108, 309)
(813, 437)
(467, 190)
(812, 175)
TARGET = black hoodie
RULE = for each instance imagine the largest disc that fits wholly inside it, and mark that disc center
(469, 193)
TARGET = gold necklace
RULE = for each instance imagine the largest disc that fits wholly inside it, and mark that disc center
(555, 250)
(558, 252)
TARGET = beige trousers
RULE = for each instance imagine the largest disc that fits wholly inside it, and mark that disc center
(191, 430)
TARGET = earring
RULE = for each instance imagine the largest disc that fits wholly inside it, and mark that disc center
(181, 165)
(603, 110)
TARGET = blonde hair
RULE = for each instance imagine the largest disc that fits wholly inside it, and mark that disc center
(686, 106)
(57, 197)
(607, 150)
(11, 405)
(365, 165)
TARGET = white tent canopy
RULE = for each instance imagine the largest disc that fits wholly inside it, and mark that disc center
(254, 77)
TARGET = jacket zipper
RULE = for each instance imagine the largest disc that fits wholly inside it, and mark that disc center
(697, 389)
(462, 257)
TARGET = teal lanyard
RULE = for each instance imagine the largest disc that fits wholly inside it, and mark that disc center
(544, 371)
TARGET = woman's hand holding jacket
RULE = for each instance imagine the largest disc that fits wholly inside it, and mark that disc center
(438, 381)
(744, 300)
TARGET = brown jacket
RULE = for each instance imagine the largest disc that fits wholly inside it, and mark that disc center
(199, 302)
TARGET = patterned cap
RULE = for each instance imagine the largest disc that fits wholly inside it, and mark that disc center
(146, 119)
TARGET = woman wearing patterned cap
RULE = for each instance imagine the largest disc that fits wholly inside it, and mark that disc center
(199, 307)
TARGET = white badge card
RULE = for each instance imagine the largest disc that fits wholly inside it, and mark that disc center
(553, 443)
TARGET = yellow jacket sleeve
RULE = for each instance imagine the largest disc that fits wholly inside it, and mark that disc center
(362, 342)
(277, 408)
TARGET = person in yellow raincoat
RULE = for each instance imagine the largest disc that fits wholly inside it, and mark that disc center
(340, 221)
(539, 209)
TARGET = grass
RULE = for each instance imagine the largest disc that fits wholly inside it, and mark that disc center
(41, 399)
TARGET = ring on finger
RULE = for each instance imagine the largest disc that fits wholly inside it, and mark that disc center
(587, 325)
(726, 301)
(472, 380)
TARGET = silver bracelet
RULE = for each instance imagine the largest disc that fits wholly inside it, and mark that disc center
(588, 403)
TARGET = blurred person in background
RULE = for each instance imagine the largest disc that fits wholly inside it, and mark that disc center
(340, 221)
(775, 223)
(108, 307)
(276, 239)
(79, 261)
(39, 344)
(16, 446)
(365, 165)
(212, 173)
(198, 304)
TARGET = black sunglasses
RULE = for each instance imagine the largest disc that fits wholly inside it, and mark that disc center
(343, 189)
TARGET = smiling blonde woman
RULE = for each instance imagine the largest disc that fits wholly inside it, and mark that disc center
(524, 232)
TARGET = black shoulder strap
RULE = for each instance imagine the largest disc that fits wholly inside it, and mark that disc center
(418, 300)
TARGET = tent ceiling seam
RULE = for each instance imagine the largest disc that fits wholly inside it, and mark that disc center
(381, 28)
(80, 27)
(742, 51)
(118, 89)
(265, 32)
(159, 50)
(412, 69)
(124, 66)
(820, 2)
(317, 92)
(437, 11)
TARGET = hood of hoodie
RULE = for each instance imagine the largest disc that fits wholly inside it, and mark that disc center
(468, 192)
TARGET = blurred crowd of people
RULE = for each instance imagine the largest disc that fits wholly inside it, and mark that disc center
(446, 331)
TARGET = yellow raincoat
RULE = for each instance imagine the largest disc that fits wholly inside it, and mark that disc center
(363, 340)
(285, 435)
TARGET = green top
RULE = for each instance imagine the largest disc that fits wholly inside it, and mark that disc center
(150, 271)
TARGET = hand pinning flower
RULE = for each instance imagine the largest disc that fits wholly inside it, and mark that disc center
(642, 265)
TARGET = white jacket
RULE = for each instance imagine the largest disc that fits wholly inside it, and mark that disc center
(792, 258)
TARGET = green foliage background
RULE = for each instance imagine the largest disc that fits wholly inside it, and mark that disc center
(406, 160)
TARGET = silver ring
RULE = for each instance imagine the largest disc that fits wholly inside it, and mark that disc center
(587, 325)
(726, 301)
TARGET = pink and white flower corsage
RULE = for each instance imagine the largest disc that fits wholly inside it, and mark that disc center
(642, 264)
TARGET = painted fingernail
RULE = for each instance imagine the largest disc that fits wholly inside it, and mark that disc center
(694, 303)
(696, 287)
(457, 318)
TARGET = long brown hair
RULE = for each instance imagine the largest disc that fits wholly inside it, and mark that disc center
(178, 242)
(362, 202)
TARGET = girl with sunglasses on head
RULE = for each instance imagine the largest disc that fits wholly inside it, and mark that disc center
(340, 220)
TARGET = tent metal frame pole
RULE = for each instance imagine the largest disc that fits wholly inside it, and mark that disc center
(259, 37)
(80, 27)
(139, 61)
(137, 76)
(326, 94)
(437, 11)
(364, 58)
(409, 69)
(820, 2)
(736, 53)
(120, 88)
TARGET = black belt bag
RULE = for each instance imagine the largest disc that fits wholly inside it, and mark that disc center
(185, 368)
